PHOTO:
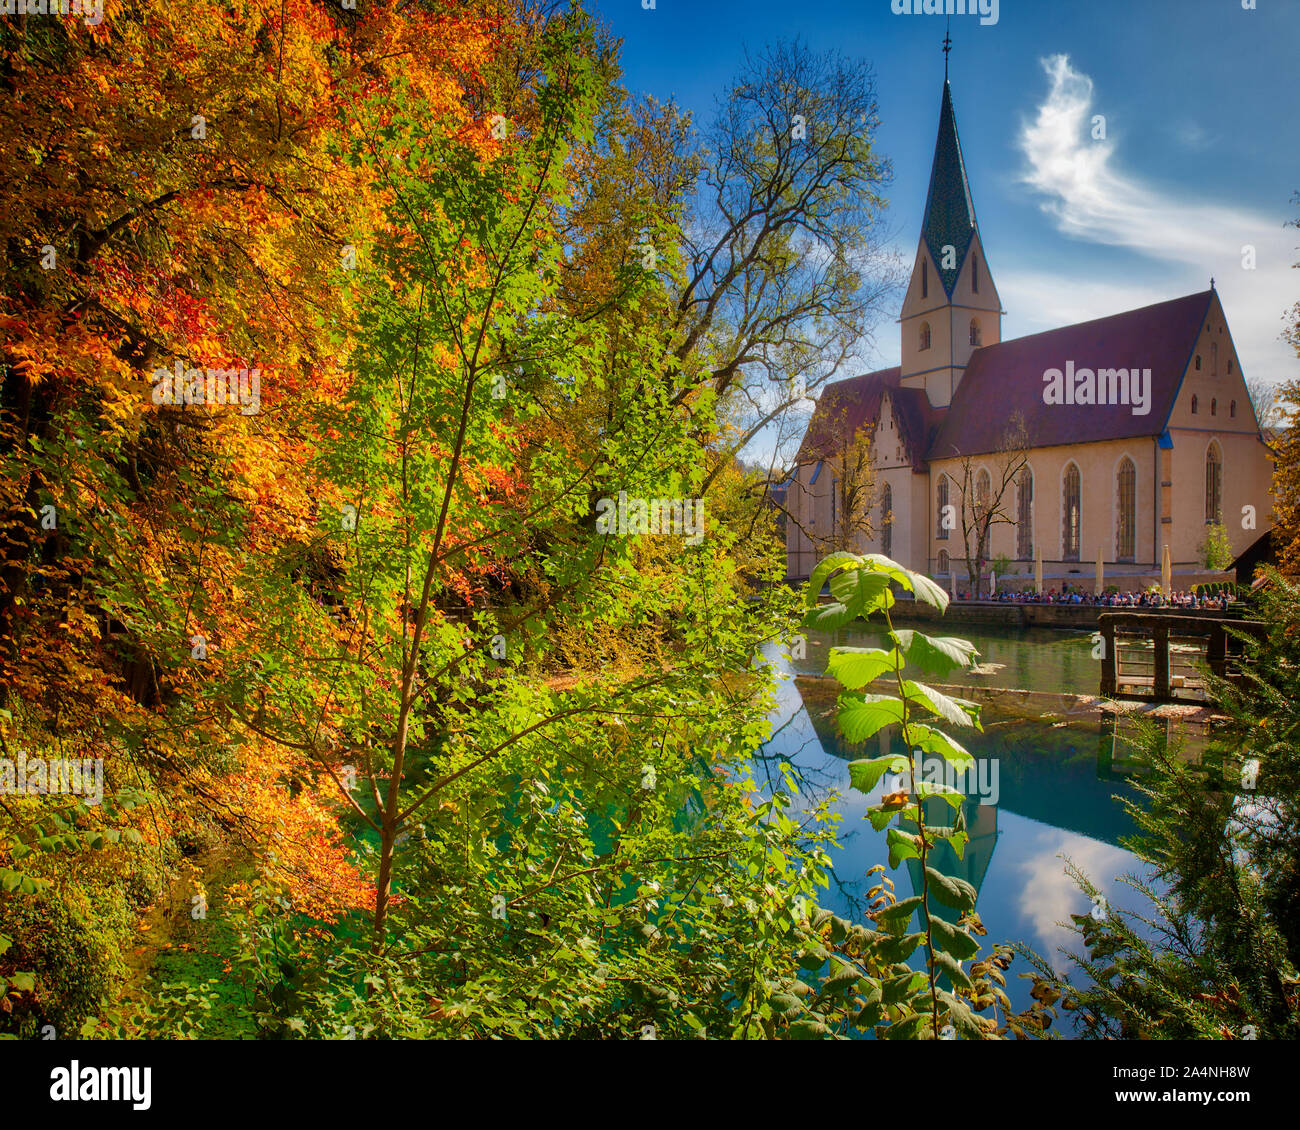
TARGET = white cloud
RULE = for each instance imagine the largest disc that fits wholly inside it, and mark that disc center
(1091, 198)
(1050, 896)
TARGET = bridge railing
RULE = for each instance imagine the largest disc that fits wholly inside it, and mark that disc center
(1161, 658)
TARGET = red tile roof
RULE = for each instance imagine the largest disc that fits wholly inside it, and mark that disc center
(1009, 376)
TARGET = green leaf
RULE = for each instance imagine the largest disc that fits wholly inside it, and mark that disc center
(862, 715)
(958, 711)
(955, 797)
(865, 774)
(898, 948)
(936, 654)
(910, 1028)
(901, 910)
(823, 570)
(930, 740)
(950, 891)
(859, 590)
(953, 968)
(952, 939)
(902, 845)
(855, 667)
(809, 1030)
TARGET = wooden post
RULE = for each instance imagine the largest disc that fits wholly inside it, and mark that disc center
(1161, 634)
(1107, 625)
(1216, 653)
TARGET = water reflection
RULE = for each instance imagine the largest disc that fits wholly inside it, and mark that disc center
(1058, 784)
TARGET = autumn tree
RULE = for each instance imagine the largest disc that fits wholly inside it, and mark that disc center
(987, 488)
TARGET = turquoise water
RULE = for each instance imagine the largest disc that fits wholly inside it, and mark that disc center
(1057, 796)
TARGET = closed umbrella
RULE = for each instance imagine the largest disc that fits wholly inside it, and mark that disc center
(1038, 572)
(1166, 574)
(1101, 574)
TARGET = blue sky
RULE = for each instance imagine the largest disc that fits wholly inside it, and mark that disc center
(1202, 154)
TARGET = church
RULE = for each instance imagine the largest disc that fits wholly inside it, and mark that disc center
(1112, 445)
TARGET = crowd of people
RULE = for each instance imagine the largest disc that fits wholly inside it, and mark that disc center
(1070, 594)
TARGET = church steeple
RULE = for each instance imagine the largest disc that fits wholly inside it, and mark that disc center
(949, 211)
(952, 307)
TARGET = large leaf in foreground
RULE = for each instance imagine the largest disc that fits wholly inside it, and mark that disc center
(862, 715)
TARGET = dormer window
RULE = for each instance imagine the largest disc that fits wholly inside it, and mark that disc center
(925, 337)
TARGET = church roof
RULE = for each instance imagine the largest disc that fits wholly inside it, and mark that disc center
(1007, 377)
(845, 406)
(949, 210)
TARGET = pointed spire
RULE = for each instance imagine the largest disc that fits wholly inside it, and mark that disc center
(949, 210)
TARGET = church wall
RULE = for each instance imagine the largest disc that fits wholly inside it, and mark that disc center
(1099, 465)
(1246, 481)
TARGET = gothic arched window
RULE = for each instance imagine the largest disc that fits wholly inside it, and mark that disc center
(1213, 484)
(887, 521)
(925, 276)
(1193, 406)
(941, 508)
(1025, 514)
(945, 562)
(1071, 513)
(975, 331)
(1126, 531)
(925, 336)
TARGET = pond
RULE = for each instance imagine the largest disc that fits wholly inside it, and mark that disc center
(1048, 789)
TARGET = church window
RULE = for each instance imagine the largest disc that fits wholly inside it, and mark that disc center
(887, 521)
(1126, 534)
(1198, 362)
(925, 276)
(1232, 409)
(1024, 514)
(1229, 366)
(1214, 406)
(945, 562)
(1213, 484)
(1193, 406)
(975, 331)
(925, 336)
(1071, 514)
(941, 507)
(975, 273)
(983, 490)
(1214, 358)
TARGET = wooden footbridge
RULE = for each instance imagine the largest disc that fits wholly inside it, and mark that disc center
(1163, 658)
